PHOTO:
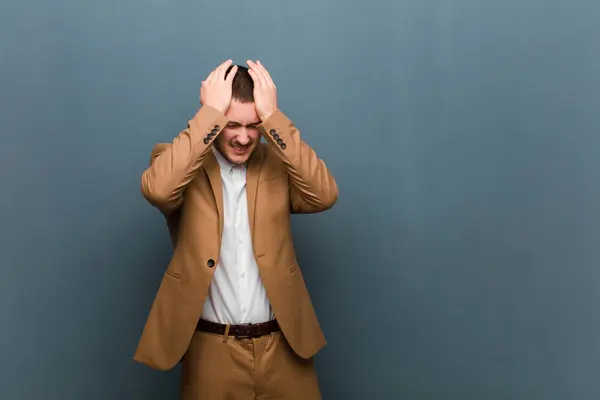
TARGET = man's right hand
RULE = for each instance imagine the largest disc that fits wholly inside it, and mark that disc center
(216, 90)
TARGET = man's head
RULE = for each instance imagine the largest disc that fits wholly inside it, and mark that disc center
(240, 137)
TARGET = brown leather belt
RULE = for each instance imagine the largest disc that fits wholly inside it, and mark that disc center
(246, 330)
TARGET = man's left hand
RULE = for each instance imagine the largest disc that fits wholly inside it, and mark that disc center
(265, 92)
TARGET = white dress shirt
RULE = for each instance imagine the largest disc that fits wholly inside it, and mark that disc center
(237, 294)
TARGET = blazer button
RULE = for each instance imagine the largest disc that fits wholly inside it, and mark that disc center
(210, 263)
(273, 132)
(206, 140)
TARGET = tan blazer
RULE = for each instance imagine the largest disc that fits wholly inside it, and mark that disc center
(183, 181)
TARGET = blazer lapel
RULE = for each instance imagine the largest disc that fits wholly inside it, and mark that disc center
(254, 164)
(211, 166)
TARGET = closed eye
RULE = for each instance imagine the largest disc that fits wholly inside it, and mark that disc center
(237, 125)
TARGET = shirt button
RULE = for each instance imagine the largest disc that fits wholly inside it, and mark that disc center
(243, 274)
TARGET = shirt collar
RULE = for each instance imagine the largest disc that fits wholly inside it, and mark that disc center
(224, 163)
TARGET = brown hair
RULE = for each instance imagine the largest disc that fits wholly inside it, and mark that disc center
(243, 86)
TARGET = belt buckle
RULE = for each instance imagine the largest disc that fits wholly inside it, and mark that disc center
(246, 329)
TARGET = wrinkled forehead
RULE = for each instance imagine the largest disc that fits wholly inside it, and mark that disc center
(242, 113)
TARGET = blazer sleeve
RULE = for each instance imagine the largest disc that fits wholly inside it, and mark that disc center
(174, 165)
(312, 186)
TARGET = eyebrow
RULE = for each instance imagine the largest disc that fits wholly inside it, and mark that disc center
(250, 124)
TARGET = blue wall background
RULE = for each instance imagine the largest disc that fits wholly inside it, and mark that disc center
(461, 261)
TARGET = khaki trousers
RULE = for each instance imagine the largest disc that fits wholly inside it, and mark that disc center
(221, 367)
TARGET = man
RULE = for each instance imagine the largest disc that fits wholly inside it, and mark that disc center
(233, 302)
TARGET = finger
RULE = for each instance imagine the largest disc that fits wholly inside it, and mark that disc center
(252, 71)
(222, 69)
(266, 74)
(215, 72)
(231, 75)
(255, 77)
(262, 68)
(260, 79)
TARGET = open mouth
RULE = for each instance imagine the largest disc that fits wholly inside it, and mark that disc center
(239, 150)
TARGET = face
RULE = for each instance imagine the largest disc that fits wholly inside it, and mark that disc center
(240, 137)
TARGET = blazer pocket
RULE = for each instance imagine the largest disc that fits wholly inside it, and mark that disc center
(271, 177)
(173, 274)
(294, 268)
